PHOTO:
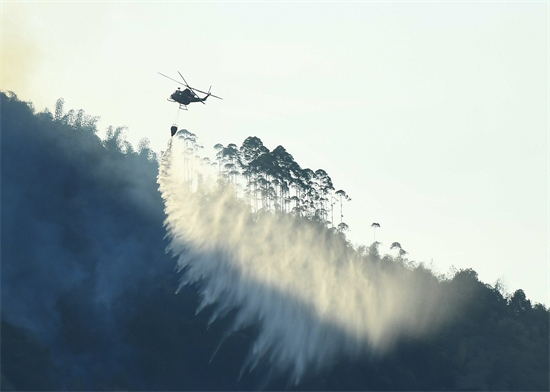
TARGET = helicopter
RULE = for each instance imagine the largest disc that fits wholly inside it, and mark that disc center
(189, 95)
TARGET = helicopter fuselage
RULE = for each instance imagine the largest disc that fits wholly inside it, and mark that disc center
(188, 95)
(185, 97)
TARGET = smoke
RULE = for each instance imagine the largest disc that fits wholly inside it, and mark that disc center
(81, 241)
(312, 295)
(20, 52)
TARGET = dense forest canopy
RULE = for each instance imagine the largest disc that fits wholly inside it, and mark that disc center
(88, 292)
(272, 180)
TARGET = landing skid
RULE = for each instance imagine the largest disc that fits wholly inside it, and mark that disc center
(182, 106)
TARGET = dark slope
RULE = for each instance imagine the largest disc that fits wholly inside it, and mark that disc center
(81, 234)
(88, 293)
(85, 278)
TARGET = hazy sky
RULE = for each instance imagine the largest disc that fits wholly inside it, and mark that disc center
(432, 116)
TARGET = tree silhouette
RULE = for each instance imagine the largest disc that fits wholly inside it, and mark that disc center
(229, 161)
(274, 175)
(265, 167)
(232, 158)
(400, 251)
(59, 109)
(285, 167)
(251, 149)
(342, 196)
(519, 304)
(309, 194)
(190, 146)
(324, 185)
(374, 226)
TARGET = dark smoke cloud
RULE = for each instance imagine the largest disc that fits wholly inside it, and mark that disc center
(81, 233)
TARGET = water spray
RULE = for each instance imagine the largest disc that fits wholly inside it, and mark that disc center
(311, 295)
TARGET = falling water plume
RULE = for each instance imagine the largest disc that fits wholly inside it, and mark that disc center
(312, 296)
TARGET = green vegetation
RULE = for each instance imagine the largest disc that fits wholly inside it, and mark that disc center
(88, 294)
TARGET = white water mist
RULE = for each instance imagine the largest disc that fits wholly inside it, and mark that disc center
(313, 297)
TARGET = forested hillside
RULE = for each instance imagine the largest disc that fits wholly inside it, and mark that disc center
(88, 292)
(273, 180)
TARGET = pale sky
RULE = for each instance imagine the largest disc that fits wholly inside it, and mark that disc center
(432, 116)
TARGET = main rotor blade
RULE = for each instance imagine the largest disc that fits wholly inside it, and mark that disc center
(194, 89)
(189, 87)
(184, 79)
(177, 81)
(204, 92)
